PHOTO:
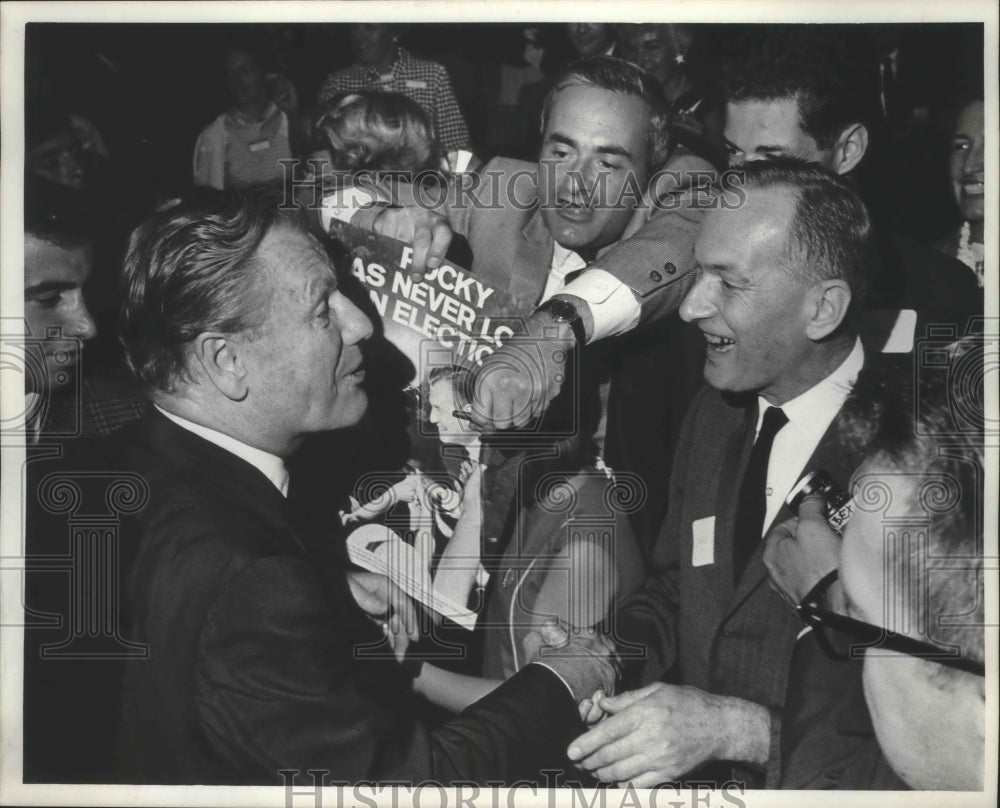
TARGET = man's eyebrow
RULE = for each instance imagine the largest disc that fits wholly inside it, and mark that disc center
(45, 287)
(723, 268)
(618, 151)
(566, 140)
(769, 149)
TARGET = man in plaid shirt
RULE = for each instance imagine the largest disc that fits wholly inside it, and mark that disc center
(383, 65)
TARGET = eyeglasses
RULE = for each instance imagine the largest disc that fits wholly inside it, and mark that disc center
(845, 638)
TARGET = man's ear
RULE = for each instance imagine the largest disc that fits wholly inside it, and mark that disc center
(828, 303)
(850, 148)
(219, 359)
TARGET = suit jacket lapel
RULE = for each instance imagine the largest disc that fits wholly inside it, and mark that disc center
(214, 467)
(727, 498)
(529, 268)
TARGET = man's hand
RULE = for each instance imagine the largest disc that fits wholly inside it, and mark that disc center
(590, 709)
(382, 600)
(661, 732)
(283, 93)
(799, 552)
(428, 232)
(584, 658)
(518, 381)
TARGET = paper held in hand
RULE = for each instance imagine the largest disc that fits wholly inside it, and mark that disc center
(379, 549)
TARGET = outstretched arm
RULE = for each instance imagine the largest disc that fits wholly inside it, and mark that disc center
(451, 691)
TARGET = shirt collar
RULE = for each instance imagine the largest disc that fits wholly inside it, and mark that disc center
(401, 61)
(244, 120)
(33, 416)
(271, 466)
(563, 258)
(822, 401)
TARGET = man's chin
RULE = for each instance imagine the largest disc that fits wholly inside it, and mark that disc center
(349, 413)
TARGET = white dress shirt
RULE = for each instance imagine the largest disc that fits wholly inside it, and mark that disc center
(271, 466)
(809, 416)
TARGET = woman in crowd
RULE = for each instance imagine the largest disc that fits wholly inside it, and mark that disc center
(245, 144)
(670, 53)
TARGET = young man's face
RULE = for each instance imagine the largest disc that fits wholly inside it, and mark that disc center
(60, 160)
(245, 78)
(593, 166)
(928, 720)
(304, 364)
(56, 317)
(650, 49)
(759, 130)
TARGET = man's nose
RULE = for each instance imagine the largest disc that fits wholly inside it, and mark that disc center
(355, 327)
(579, 179)
(70, 167)
(80, 322)
(698, 303)
(975, 162)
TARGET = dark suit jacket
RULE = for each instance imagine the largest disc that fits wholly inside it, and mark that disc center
(827, 737)
(690, 622)
(261, 661)
(940, 289)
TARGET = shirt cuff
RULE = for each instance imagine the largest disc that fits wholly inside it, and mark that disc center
(612, 304)
(345, 204)
(570, 689)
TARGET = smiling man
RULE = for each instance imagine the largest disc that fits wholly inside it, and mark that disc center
(809, 92)
(266, 652)
(777, 283)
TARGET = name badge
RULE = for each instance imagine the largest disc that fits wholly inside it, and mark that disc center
(260, 145)
(703, 544)
(415, 84)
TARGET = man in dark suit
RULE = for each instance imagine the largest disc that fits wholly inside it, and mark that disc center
(778, 280)
(263, 652)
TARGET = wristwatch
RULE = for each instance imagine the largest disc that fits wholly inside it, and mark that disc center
(562, 311)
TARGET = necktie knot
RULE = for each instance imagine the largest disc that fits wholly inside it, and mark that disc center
(774, 420)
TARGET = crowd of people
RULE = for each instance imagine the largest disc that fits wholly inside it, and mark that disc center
(717, 298)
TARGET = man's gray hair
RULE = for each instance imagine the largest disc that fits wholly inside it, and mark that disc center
(192, 269)
(619, 76)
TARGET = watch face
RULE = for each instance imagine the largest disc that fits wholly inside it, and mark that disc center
(562, 310)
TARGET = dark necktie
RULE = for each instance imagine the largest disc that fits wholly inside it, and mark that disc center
(753, 503)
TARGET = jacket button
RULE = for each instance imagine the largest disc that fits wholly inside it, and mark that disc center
(655, 276)
(492, 539)
(669, 268)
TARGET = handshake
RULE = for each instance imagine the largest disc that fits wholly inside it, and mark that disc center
(584, 659)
